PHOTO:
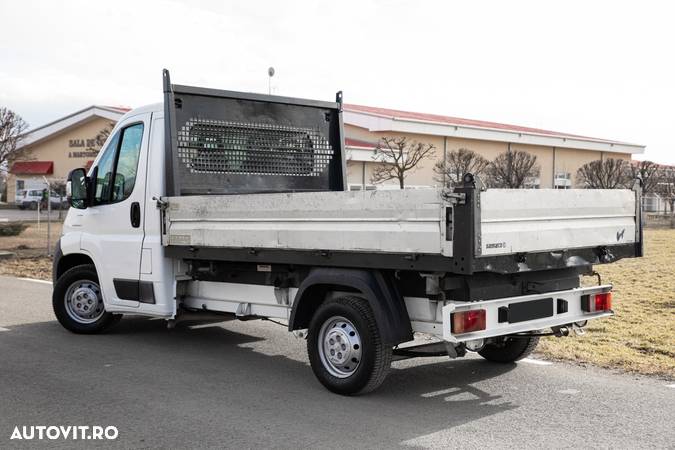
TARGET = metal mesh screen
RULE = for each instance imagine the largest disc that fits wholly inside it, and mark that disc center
(223, 147)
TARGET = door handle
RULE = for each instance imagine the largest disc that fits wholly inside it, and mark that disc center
(135, 215)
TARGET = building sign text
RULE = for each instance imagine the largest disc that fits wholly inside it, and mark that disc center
(88, 146)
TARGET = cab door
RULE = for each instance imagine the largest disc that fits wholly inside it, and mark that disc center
(112, 228)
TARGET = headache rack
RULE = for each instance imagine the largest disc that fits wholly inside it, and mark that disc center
(224, 142)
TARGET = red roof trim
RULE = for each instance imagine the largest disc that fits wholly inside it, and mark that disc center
(124, 109)
(33, 168)
(350, 142)
(448, 120)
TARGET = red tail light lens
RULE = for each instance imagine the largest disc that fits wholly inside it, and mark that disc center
(603, 302)
(597, 302)
(468, 321)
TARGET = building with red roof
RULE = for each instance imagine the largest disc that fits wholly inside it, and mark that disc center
(559, 155)
(52, 150)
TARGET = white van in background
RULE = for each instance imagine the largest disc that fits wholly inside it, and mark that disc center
(31, 198)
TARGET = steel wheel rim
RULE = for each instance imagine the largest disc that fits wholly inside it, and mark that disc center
(340, 347)
(83, 301)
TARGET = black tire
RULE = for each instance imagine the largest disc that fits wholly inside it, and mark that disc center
(509, 350)
(33, 206)
(78, 274)
(375, 357)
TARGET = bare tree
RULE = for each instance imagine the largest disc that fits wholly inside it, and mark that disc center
(397, 157)
(512, 169)
(12, 127)
(457, 163)
(59, 187)
(648, 171)
(607, 173)
(666, 189)
(102, 135)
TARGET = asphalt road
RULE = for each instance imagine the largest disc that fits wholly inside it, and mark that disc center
(248, 385)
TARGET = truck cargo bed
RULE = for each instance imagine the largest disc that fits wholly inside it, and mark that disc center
(574, 227)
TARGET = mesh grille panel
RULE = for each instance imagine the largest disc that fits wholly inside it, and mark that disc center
(222, 147)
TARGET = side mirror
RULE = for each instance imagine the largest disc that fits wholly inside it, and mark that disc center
(76, 189)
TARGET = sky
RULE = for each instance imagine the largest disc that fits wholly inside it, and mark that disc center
(595, 68)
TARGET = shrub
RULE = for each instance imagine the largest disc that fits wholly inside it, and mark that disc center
(12, 228)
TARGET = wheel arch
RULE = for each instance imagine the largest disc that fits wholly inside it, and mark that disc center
(379, 289)
(64, 262)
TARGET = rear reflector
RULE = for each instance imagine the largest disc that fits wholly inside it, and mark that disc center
(597, 302)
(468, 321)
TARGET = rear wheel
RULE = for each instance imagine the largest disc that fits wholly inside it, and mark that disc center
(33, 206)
(345, 349)
(78, 302)
(508, 350)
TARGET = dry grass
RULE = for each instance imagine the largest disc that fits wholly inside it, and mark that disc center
(32, 241)
(641, 336)
(39, 267)
(31, 250)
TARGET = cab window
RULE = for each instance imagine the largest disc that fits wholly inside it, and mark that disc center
(105, 170)
(127, 162)
(116, 170)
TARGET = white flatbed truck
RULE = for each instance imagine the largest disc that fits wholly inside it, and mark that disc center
(234, 204)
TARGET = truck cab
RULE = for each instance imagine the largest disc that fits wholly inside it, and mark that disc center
(119, 232)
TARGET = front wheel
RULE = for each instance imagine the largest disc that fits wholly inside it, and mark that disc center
(508, 349)
(345, 349)
(78, 303)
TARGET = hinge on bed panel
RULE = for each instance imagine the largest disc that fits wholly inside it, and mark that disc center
(282, 295)
(454, 197)
(243, 309)
(161, 204)
(603, 254)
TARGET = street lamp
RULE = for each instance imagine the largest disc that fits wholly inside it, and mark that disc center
(270, 73)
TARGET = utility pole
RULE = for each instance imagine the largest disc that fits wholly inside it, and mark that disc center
(49, 217)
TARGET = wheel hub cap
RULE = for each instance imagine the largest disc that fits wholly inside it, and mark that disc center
(340, 347)
(83, 301)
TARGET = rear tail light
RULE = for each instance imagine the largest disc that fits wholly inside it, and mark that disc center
(468, 321)
(597, 302)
